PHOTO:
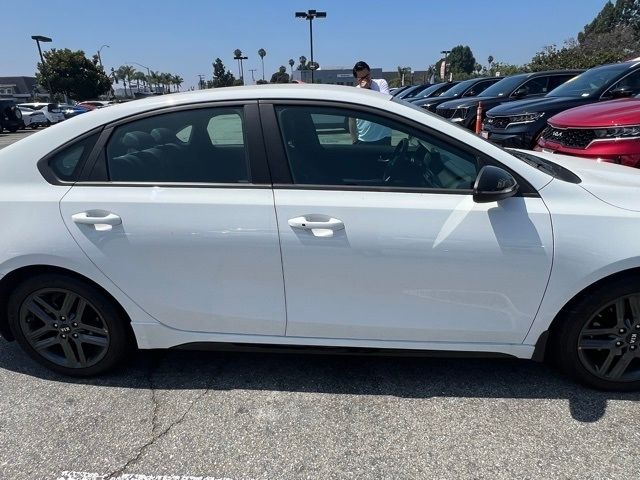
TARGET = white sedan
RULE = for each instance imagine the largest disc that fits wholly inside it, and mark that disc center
(33, 118)
(235, 216)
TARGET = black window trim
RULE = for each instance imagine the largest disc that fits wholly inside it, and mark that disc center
(622, 76)
(48, 173)
(94, 172)
(281, 173)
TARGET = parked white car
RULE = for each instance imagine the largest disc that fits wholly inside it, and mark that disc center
(229, 216)
(33, 118)
(51, 111)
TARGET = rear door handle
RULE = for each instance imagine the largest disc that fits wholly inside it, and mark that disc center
(320, 225)
(101, 220)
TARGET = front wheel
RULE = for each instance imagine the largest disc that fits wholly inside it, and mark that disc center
(599, 342)
(68, 325)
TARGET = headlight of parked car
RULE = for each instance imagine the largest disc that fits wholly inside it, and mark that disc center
(526, 118)
(460, 113)
(618, 132)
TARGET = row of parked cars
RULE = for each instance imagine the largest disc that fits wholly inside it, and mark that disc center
(14, 117)
(593, 114)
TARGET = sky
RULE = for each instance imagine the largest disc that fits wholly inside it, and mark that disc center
(185, 37)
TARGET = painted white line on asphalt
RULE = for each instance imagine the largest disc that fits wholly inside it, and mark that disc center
(131, 476)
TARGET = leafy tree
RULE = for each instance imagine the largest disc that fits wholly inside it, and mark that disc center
(72, 74)
(490, 60)
(262, 53)
(461, 60)
(281, 76)
(303, 63)
(222, 77)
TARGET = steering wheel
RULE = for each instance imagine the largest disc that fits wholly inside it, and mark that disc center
(398, 157)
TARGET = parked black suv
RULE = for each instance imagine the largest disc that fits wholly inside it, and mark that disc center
(434, 90)
(519, 124)
(10, 116)
(525, 85)
(467, 88)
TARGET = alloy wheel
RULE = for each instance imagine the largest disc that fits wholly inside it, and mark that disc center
(64, 327)
(609, 343)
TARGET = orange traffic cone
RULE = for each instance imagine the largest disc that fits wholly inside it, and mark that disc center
(479, 118)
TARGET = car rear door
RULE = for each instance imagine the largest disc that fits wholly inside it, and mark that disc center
(384, 242)
(178, 212)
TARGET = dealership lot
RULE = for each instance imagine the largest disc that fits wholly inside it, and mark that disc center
(253, 415)
(249, 415)
(7, 139)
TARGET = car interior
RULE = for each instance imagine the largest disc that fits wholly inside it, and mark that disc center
(318, 156)
(180, 147)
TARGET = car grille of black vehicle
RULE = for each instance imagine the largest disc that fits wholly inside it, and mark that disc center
(570, 137)
(497, 122)
(445, 112)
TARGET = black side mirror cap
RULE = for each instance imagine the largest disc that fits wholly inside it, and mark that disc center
(494, 184)
(619, 93)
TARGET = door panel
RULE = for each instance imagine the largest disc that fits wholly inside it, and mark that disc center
(414, 266)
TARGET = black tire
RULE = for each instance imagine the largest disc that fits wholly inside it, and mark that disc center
(600, 335)
(84, 333)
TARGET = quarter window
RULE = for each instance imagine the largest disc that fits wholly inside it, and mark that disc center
(338, 147)
(195, 146)
(66, 164)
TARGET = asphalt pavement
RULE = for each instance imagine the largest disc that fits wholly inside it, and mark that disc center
(186, 415)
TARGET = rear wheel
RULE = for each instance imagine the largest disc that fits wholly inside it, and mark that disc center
(67, 325)
(599, 342)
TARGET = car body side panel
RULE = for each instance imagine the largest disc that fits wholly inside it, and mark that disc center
(589, 246)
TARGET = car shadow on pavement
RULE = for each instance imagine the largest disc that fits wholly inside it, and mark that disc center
(404, 377)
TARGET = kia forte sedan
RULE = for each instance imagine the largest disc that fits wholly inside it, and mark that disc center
(232, 216)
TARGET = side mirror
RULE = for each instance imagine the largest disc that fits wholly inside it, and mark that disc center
(521, 92)
(493, 184)
(620, 92)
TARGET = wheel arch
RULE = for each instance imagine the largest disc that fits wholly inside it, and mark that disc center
(11, 280)
(542, 344)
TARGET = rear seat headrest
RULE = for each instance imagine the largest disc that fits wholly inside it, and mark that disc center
(138, 140)
(163, 135)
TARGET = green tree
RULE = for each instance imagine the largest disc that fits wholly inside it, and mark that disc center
(461, 60)
(281, 76)
(177, 80)
(262, 53)
(139, 77)
(222, 77)
(72, 74)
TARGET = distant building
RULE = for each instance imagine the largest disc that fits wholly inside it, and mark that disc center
(22, 89)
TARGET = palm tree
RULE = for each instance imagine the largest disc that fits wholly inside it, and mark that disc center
(490, 60)
(291, 64)
(237, 53)
(166, 79)
(177, 81)
(262, 52)
(125, 73)
(153, 80)
(139, 77)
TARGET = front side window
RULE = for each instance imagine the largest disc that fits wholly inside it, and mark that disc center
(535, 86)
(196, 146)
(340, 147)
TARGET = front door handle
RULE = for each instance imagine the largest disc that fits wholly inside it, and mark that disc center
(100, 219)
(320, 225)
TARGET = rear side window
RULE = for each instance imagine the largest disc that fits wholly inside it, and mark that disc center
(67, 163)
(193, 146)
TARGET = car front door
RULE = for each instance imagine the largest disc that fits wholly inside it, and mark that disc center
(178, 212)
(383, 241)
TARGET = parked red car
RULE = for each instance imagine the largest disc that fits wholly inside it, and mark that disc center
(606, 131)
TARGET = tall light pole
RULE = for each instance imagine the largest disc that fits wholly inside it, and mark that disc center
(99, 57)
(310, 15)
(38, 39)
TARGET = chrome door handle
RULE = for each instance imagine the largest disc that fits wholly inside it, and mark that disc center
(320, 226)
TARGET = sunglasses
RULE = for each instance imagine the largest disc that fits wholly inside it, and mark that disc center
(366, 77)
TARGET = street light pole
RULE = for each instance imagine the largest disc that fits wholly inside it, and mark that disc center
(240, 58)
(99, 57)
(310, 15)
(38, 39)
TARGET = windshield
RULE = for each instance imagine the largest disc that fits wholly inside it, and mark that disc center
(430, 90)
(589, 83)
(504, 87)
(460, 88)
